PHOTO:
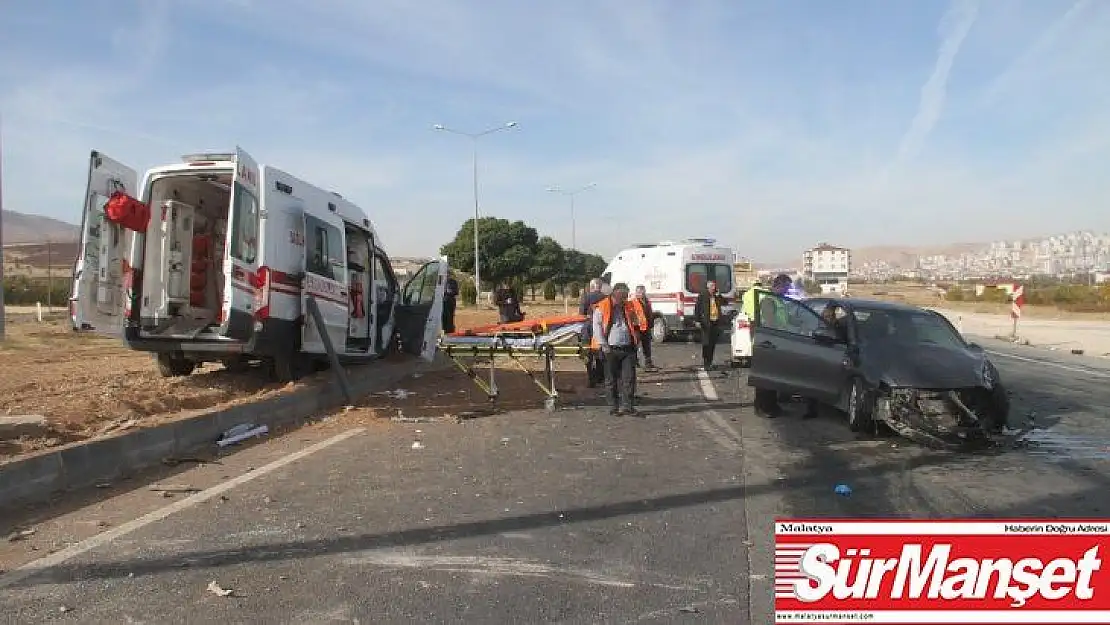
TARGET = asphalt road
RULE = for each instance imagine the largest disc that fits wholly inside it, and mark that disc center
(531, 517)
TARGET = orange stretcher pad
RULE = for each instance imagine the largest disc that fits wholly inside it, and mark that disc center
(534, 326)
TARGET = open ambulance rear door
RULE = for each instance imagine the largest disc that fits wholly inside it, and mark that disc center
(420, 312)
(103, 286)
(245, 287)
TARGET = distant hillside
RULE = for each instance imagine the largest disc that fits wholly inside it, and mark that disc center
(24, 228)
(904, 256)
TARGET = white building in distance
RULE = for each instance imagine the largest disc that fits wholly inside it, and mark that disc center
(828, 266)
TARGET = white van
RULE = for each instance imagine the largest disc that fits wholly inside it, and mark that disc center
(223, 269)
(673, 274)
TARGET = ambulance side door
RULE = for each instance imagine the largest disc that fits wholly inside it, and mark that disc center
(325, 280)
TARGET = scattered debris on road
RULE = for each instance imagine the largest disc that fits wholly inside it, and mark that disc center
(20, 535)
(219, 591)
(241, 433)
(174, 489)
(16, 426)
(843, 490)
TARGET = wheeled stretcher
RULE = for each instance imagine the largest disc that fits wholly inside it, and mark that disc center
(547, 339)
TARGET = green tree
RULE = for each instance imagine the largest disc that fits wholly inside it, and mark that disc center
(593, 266)
(467, 293)
(507, 248)
(547, 262)
(549, 290)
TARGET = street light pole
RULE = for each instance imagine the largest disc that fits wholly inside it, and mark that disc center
(474, 136)
(571, 194)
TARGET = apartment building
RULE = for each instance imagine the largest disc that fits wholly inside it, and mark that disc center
(828, 266)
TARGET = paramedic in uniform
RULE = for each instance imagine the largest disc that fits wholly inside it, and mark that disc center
(615, 320)
(595, 367)
(709, 316)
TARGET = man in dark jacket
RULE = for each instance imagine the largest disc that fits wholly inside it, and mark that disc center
(710, 317)
(508, 304)
(450, 297)
(595, 361)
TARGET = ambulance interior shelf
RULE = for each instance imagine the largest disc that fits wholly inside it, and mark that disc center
(192, 269)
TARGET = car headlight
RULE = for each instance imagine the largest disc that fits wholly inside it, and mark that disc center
(988, 375)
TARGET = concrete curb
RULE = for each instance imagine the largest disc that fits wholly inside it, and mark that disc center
(80, 465)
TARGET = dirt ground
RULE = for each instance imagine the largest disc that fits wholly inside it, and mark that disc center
(86, 385)
(450, 395)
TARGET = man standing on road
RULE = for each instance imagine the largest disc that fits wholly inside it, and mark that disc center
(450, 295)
(615, 320)
(646, 314)
(709, 317)
(595, 364)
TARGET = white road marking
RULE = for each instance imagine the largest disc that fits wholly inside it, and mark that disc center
(497, 567)
(707, 387)
(1049, 363)
(725, 435)
(100, 540)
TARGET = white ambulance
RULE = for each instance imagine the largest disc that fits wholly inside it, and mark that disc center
(222, 269)
(673, 274)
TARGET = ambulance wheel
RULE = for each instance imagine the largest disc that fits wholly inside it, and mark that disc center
(659, 330)
(287, 367)
(174, 365)
(235, 364)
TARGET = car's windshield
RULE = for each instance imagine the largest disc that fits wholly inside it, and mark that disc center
(905, 327)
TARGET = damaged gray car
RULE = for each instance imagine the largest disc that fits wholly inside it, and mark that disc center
(880, 363)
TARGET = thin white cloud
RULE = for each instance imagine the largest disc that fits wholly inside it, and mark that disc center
(954, 28)
(687, 119)
(1048, 38)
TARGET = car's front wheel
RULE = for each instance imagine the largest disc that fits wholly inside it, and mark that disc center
(860, 406)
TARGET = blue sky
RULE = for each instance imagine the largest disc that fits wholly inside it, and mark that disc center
(769, 125)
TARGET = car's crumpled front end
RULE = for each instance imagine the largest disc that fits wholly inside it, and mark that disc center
(959, 417)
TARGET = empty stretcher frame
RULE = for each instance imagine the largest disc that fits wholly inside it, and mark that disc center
(547, 338)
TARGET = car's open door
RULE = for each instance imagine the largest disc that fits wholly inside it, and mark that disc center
(102, 285)
(419, 314)
(789, 354)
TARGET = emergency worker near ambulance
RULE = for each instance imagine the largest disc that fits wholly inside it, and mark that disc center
(615, 335)
(772, 313)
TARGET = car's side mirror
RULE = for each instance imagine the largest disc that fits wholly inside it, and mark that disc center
(826, 335)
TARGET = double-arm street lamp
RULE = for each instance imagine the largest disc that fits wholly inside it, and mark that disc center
(474, 136)
(571, 193)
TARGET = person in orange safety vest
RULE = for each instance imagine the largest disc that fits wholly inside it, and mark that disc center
(617, 323)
